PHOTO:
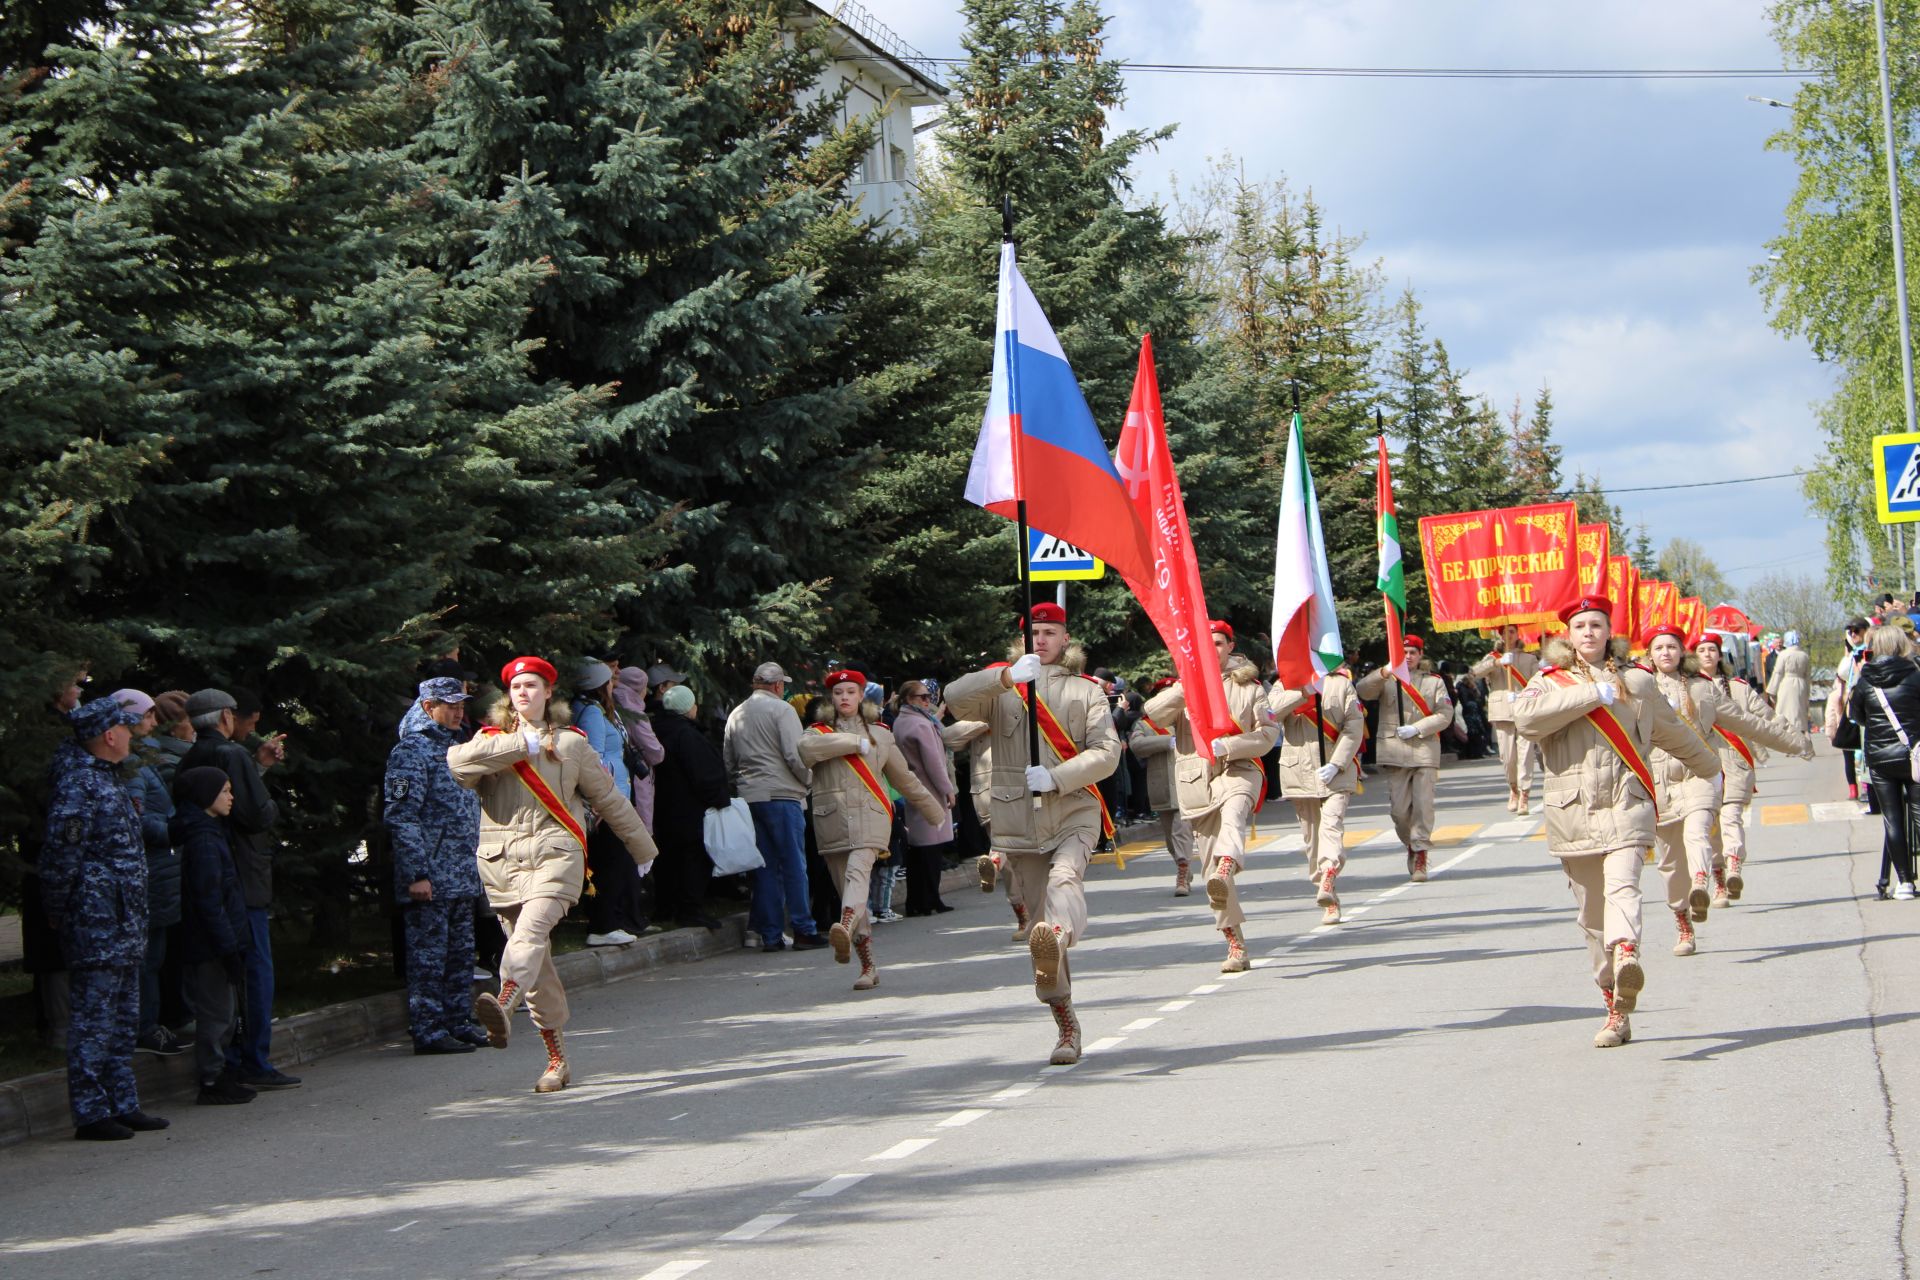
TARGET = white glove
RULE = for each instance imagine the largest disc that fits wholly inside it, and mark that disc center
(865, 746)
(1607, 692)
(1025, 669)
(1328, 772)
(640, 871)
(1506, 659)
(1219, 746)
(1040, 779)
(1407, 731)
(533, 743)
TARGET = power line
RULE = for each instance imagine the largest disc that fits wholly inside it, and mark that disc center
(1459, 73)
(1699, 484)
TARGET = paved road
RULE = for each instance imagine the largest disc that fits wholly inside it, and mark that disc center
(1412, 1093)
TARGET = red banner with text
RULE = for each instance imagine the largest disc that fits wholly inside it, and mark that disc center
(1489, 568)
(1623, 583)
(1596, 543)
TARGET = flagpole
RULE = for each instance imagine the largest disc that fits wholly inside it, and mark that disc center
(1020, 509)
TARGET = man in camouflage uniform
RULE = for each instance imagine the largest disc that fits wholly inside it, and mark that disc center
(93, 882)
(434, 823)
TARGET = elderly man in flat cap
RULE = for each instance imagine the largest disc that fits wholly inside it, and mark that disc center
(93, 884)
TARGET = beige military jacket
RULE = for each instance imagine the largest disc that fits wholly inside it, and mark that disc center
(971, 736)
(524, 851)
(1505, 681)
(1741, 783)
(1594, 802)
(1018, 825)
(1201, 786)
(1390, 751)
(1304, 746)
(1154, 747)
(1701, 704)
(846, 814)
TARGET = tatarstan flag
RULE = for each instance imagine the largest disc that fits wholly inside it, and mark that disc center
(1306, 630)
(1392, 581)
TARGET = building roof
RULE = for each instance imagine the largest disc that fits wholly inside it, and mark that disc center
(864, 39)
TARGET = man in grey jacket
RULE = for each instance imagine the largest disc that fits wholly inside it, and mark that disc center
(216, 726)
(762, 749)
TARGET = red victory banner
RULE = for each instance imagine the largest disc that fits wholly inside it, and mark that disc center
(1490, 568)
(1691, 614)
(1656, 602)
(1596, 541)
(1623, 581)
(1727, 618)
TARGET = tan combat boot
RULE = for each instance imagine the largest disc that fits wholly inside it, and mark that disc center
(495, 1013)
(1616, 1030)
(1067, 1051)
(840, 936)
(1043, 945)
(1417, 866)
(1220, 883)
(1683, 945)
(1698, 900)
(869, 976)
(1019, 923)
(557, 1076)
(1236, 961)
(989, 872)
(1720, 895)
(1736, 882)
(1182, 879)
(1629, 979)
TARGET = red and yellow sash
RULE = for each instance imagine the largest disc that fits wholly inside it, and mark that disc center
(531, 779)
(863, 771)
(1737, 743)
(1314, 710)
(1148, 721)
(1414, 693)
(1055, 734)
(1618, 738)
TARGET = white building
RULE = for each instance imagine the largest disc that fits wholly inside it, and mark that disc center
(882, 73)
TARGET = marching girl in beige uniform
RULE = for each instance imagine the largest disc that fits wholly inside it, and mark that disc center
(1597, 719)
(1407, 749)
(1729, 836)
(1219, 797)
(1689, 806)
(852, 814)
(1506, 671)
(1320, 738)
(537, 777)
(1153, 744)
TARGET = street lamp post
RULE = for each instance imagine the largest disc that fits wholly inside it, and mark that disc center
(1893, 198)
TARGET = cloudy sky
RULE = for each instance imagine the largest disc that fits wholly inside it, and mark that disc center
(1595, 236)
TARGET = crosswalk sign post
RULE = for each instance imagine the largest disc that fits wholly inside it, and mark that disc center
(1896, 477)
(1054, 559)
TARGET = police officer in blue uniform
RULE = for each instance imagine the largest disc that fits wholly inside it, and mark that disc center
(93, 882)
(434, 823)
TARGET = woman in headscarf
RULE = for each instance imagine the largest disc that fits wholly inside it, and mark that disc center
(916, 730)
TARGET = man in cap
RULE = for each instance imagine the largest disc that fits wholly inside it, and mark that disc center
(1412, 716)
(93, 883)
(434, 825)
(762, 751)
(215, 721)
(1046, 812)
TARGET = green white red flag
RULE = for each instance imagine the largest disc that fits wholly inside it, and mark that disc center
(1392, 579)
(1306, 630)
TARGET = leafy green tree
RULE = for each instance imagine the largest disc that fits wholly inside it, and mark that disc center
(1687, 565)
(1536, 458)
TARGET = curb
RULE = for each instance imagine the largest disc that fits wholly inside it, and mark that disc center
(36, 1106)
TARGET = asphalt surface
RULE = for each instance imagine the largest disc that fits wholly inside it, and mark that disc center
(1410, 1093)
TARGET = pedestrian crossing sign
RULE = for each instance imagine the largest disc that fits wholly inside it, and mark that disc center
(1052, 559)
(1896, 477)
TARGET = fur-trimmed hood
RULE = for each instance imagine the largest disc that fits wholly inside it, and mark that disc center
(1074, 659)
(501, 714)
(1240, 669)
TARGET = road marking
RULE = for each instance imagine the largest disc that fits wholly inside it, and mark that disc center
(1457, 859)
(1014, 1091)
(682, 1116)
(675, 1270)
(1056, 1070)
(1231, 977)
(1454, 835)
(1837, 811)
(403, 1226)
(901, 1150)
(1355, 838)
(1174, 1006)
(1781, 815)
(1207, 990)
(1514, 829)
(834, 1186)
(758, 1227)
(1260, 963)
(961, 1118)
(1394, 892)
(1359, 911)
(1140, 1024)
(1104, 1043)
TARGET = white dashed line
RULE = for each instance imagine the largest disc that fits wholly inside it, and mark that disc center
(1104, 1044)
(1174, 1006)
(403, 1226)
(901, 1150)
(1394, 892)
(961, 1118)
(758, 1227)
(1014, 1091)
(675, 1270)
(1207, 990)
(1054, 1071)
(1141, 1024)
(834, 1186)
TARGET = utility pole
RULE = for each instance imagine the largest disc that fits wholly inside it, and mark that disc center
(1899, 245)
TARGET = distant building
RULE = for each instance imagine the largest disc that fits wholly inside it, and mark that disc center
(880, 72)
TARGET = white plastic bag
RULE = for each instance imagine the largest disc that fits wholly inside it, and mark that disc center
(730, 840)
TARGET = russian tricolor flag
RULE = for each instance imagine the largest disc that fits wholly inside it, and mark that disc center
(1038, 441)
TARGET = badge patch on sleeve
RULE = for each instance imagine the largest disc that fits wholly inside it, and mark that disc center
(74, 830)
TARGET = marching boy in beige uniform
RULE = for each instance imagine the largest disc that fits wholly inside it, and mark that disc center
(1736, 758)
(1046, 816)
(1408, 749)
(852, 816)
(536, 778)
(1219, 798)
(1597, 719)
(1506, 671)
(973, 734)
(1683, 839)
(1321, 735)
(1152, 742)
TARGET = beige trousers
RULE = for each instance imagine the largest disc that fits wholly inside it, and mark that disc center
(1606, 899)
(1223, 834)
(1410, 792)
(1683, 849)
(1178, 833)
(853, 871)
(1730, 835)
(527, 961)
(1053, 886)
(1517, 756)
(1323, 831)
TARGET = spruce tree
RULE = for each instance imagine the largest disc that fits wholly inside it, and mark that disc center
(1536, 458)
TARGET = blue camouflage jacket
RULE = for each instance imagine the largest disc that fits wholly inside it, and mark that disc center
(434, 822)
(93, 868)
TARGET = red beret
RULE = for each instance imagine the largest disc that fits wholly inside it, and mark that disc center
(1221, 628)
(843, 676)
(1664, 629)
(1587, 604)
(1163, 682)
(1414, 642)
(529, 666)
(1048, 612)
(1714, 638)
